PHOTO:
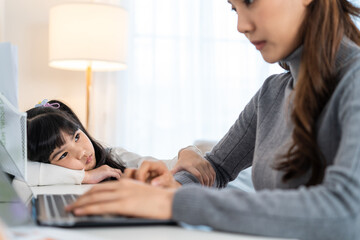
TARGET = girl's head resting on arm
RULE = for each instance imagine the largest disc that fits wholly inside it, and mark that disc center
(56, 136)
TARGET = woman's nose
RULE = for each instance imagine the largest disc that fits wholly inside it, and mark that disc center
(244, 25)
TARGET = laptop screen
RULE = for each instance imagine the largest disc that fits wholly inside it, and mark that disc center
(12, 139)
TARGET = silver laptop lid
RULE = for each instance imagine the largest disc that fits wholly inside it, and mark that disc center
(12, 210)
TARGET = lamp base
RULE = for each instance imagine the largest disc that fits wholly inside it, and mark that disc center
(88, 89)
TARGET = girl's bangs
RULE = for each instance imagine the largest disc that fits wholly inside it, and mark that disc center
(45, 133)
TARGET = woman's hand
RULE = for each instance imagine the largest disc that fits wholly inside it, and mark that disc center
(101, 173)
(153, 172)
(191, 159)
(125, 197)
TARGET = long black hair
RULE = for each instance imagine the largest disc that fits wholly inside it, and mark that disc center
(44, 127)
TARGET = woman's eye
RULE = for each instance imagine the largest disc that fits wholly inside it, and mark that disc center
(63, 156)
(248, 2)
(77, 137)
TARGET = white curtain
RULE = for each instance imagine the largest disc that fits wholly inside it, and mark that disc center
(190, 74)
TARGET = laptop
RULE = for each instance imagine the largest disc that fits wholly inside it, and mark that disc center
(48, 210)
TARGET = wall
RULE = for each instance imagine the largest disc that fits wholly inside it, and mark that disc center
(25, 24)
(2, 18)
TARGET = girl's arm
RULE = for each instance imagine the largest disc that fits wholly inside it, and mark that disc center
(49, 174)
(133, 160)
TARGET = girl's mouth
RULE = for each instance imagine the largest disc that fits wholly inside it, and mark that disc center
(89, 159)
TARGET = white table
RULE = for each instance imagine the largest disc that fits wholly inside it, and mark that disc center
(140, 232)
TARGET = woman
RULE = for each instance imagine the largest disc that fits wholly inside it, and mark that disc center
(61, 151)
(300, 132)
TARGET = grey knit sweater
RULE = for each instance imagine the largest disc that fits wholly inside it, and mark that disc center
(260, 135)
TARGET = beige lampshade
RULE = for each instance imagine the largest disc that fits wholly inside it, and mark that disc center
(88, 34)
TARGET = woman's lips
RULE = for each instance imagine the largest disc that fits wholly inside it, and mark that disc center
(89, 159)
(259, 44)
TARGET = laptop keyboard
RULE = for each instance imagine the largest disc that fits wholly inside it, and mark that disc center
(55, 204)
(51, 210)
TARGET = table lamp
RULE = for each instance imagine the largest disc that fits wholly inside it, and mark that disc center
(87, 37)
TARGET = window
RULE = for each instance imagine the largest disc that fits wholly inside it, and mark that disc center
(190, 74)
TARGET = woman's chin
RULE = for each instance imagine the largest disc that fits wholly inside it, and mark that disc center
(270, 59)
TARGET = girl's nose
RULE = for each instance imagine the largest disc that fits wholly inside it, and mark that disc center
(81, 154)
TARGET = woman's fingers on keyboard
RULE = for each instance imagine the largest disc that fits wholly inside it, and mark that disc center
(129, 173)
(149, 170)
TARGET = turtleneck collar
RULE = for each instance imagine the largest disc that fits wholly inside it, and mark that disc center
(294, 59)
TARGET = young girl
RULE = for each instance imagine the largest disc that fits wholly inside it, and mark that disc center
(300, 133)
(56, 136)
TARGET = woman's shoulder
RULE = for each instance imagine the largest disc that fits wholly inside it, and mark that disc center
(348, 66)
(275, 84)
(276, 80)
(348, 76)
(348, 60)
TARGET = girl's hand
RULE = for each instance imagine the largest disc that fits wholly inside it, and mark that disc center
(191, 159)
(101, 173)
(154, 173)
(125, 197)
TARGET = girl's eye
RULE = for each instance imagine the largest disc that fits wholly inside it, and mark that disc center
(63, 156)
(77, 137)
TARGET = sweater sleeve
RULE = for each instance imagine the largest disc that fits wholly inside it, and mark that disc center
(329, 210)
(49, 174)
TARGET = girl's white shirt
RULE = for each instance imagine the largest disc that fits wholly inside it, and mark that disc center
(48, 174)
